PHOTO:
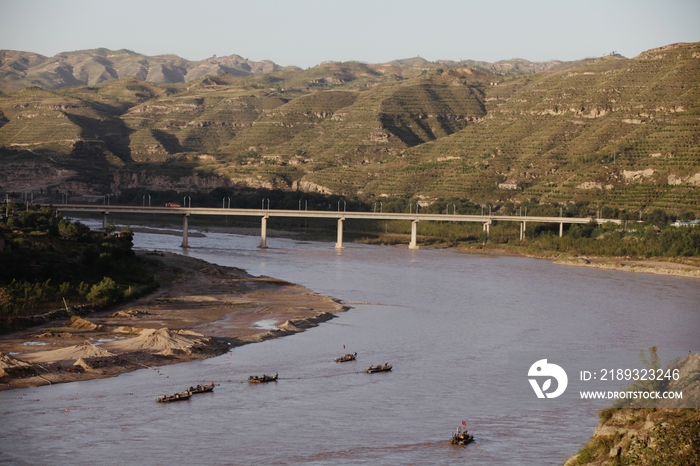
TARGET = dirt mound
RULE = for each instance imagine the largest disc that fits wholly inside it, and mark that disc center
(129, 314)
(8, 365)
(155, 341)
(55, 335)
(75, 352)
(302, 323)
(82, 363)
(79, 323)
(127, 329)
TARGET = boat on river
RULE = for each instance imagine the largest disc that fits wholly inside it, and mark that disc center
(201, 389)
(346, 358)
(461, 438)
(176, 397)
(379, 368)
(263, 379)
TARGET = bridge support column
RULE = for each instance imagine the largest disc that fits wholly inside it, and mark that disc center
(339, 243)
(104, 219)
(561, 229)
(263, 233)
(487, 229)
(184, 231)
(414, 233)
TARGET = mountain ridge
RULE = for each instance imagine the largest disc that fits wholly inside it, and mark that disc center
(610, 131)
(97, 66)
(19, 69)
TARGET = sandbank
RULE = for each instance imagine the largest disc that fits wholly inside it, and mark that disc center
(200, 311)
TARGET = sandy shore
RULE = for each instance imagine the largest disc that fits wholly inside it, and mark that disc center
(690, 267)
(200, 311)
(641, 266)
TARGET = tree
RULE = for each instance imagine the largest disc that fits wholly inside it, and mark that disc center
(105, 293)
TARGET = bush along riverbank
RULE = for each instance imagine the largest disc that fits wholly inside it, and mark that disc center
(49, 263)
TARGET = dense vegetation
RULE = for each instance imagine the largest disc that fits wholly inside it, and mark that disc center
(47, 262)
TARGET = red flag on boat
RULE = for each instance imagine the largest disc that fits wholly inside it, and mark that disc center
(464, 423)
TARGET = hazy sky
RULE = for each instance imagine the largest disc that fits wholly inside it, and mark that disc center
(308, 32)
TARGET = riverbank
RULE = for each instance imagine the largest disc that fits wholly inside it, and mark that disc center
(200, 311)
(679, 267)
(688, 267)
(666, 434)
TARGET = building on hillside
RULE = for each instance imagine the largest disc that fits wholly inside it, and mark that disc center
(692, 223)
(510, 184)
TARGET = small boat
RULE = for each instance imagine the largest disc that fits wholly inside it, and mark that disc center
(201, 389)
(263, 379)
(176, 397)
(461, 438)
(379, 368)
(346, 358)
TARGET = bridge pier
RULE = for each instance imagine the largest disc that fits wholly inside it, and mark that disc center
(487, 229)
(414, 234)
(339, 242)
(523, 226)
(263, 232)
(561, 229)
(104, 219)
(184, 231)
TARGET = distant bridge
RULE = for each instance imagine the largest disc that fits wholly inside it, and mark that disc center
(341, 216)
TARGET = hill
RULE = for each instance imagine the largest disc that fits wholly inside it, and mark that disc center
(94, 67)
(611, 132)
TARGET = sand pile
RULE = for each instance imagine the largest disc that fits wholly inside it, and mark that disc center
(127, 329)
(75, 352)
(81, 324)
(83, 364)
(10, 363)
(157, 341)
(302, 323)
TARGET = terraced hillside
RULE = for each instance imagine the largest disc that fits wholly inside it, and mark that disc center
(612, 131)
(620, 132)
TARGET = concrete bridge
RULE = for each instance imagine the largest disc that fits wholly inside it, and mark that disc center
(341, 216)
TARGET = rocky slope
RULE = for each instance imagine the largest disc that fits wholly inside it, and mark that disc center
(668, 435)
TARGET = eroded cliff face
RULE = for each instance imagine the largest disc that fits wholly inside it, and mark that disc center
(33, 177)
(146, 180)
(41, 177)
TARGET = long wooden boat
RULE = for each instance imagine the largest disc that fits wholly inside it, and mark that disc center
(263, 379)
(379, 368)
(461, 438)
(176, 397)
(201, 389)
(346, 358)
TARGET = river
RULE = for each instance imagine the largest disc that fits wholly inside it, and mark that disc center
(447, 322)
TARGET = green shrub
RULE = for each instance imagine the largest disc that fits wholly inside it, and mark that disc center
(105, 293)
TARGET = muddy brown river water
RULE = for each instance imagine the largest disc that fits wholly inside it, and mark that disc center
(446, 321)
